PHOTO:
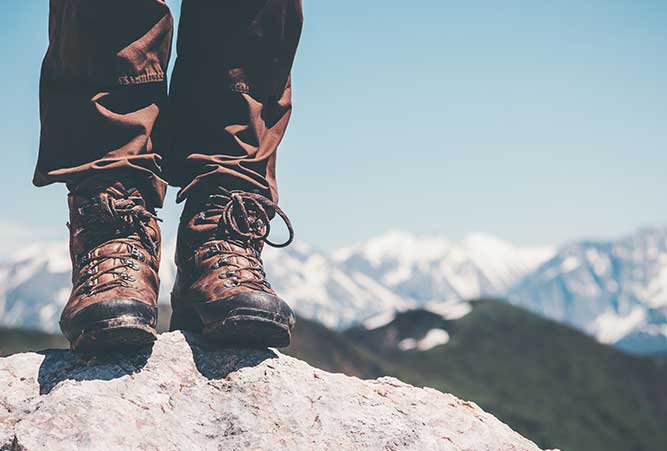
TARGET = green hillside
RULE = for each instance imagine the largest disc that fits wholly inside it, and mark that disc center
(333, 351)
(551, 383)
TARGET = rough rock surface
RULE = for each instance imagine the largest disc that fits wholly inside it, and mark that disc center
(182, 395)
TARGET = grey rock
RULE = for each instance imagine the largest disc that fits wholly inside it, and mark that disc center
(184, 395)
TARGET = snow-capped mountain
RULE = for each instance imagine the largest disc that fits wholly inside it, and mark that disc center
(318, 288)
(614, 290)
(35, 284)
(395, 272)
(434, 269)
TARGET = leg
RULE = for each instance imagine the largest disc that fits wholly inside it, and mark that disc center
(231, 97)
(231, 92)
(101, 92)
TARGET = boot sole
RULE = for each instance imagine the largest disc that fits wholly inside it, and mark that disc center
(113, 324)
(119, 334)
(248, 327)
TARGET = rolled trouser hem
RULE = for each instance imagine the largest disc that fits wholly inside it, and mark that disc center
(229, 177)
(225, 180)
(138, 170)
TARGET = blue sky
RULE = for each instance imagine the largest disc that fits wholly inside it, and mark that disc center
(538, 122)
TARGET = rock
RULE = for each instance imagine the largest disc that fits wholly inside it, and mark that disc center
(183, 395)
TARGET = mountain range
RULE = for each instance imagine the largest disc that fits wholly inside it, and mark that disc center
(614, 290)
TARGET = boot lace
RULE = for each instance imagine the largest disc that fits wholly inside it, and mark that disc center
(124, 221)
(244, 220)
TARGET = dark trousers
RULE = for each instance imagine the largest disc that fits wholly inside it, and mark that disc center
(104, 103)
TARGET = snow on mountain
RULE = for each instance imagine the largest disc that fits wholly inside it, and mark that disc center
(395, 272)
(319, 289)
(614, 290)
(35, 284)
(434, 337)
(427, 269)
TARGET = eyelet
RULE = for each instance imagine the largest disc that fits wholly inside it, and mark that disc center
(86, 287)
(138, 255)
(127, 277)
(231, 283)
(211, 250)
(83, 260)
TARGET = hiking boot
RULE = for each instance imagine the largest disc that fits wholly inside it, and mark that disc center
(221, 289)
(115, 251)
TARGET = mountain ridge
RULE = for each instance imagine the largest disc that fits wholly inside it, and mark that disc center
(399, 271)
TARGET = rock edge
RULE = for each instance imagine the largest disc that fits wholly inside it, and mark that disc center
(184, 395)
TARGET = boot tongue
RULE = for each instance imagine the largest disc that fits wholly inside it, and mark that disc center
(94, 198)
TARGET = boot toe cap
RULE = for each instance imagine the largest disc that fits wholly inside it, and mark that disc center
(251, 303)
(107, 313)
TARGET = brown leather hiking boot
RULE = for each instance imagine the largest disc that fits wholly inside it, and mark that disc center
(220, 288)
(115, 251)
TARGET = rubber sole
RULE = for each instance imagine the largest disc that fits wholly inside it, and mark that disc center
(248, 327)
(118, 334)
(111, 324)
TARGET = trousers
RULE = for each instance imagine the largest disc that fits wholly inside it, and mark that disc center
(106, 107)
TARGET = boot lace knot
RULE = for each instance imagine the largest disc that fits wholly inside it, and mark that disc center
(244, 220)
(245, 216)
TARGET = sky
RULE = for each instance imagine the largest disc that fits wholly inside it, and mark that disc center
(537, 122)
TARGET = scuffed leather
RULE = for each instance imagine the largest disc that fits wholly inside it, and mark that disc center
(202, 278)
(125, 251)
